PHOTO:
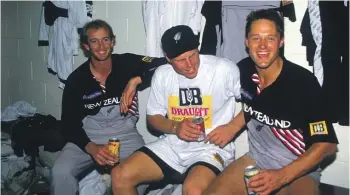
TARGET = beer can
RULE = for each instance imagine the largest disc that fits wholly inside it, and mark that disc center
(249, 172)
(200, 122)
(113, 146)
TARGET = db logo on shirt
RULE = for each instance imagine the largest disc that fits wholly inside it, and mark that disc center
(318, 128)
(190, 96)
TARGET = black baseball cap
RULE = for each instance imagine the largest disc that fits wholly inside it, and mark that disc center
(178, 40)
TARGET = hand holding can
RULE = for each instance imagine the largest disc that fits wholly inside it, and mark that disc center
(200, 122)
(113, 147)
(249, 172)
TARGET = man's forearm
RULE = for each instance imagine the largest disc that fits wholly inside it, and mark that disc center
(237, 123)
(90, 147)
(162, 124)
(312, 157)
(135, 81)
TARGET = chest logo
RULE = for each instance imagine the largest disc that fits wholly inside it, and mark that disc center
(318, 128)
(147, 59)
(190, 96)
(92, 95)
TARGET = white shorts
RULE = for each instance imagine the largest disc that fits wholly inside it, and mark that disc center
(181, 155)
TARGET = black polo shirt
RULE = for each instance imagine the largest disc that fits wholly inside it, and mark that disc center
(292, 108)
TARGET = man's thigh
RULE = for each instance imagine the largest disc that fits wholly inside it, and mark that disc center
(73, 160)
(139, 167)
(129, 144)
(305, 185)
(231, 180)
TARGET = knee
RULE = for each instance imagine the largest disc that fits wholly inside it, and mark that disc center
(123, 177)
(61, 171)
(189, 189)
(61, 176)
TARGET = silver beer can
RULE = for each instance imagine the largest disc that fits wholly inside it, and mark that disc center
(249, 172)
(200, 122)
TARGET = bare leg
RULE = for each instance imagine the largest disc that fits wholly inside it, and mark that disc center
(305, 185)
(231, 180)
(138, 168)
(197, 180)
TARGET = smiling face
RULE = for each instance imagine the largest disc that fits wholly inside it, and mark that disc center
(263, 42)
(100, 45)
(187, 64)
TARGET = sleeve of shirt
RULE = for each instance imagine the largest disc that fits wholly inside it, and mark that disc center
(72, 116)
(144, 66)
(317, 127)
(233, 86)
(78, 13)
(156, 101)
(195, 21)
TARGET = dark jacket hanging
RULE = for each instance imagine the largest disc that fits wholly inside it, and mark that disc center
(211, 10)
(334, 56)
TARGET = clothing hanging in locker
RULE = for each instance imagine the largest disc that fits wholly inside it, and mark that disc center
(234, 15)
(212, 33)
(65, 17)
(325, 33)
(158, 16)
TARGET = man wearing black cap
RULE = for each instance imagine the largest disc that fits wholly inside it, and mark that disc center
(191, 85)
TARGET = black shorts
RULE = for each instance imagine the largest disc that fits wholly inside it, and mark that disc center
(171, 176)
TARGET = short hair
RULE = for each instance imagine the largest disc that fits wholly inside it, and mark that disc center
(95, 24)
(267, 14)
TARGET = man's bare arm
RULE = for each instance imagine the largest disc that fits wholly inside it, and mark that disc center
(162, 124)
(237, 123)
(269, 180)
(185, 130)
(129, 94)
(223, 134)
(312, 157)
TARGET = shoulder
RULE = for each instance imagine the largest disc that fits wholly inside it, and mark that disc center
(79, 74)
(244, 62)
(129, 57)
(246, 66)
(298, 74)
(299, 80)
(163, 76)
(123, 58)
(164, 71)
(118, 58)
(218, 64)
(213, 60)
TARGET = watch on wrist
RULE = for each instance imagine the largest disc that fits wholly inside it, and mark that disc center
(175, 127)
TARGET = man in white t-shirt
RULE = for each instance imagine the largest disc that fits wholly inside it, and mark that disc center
(191, 85)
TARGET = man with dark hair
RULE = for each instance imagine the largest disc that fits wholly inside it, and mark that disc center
(289, 133)
(191, 85)
(91, 107)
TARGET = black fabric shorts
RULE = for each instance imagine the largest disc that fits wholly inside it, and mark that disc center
(171, 176)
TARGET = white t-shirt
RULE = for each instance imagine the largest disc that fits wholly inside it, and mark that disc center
(211, 94)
